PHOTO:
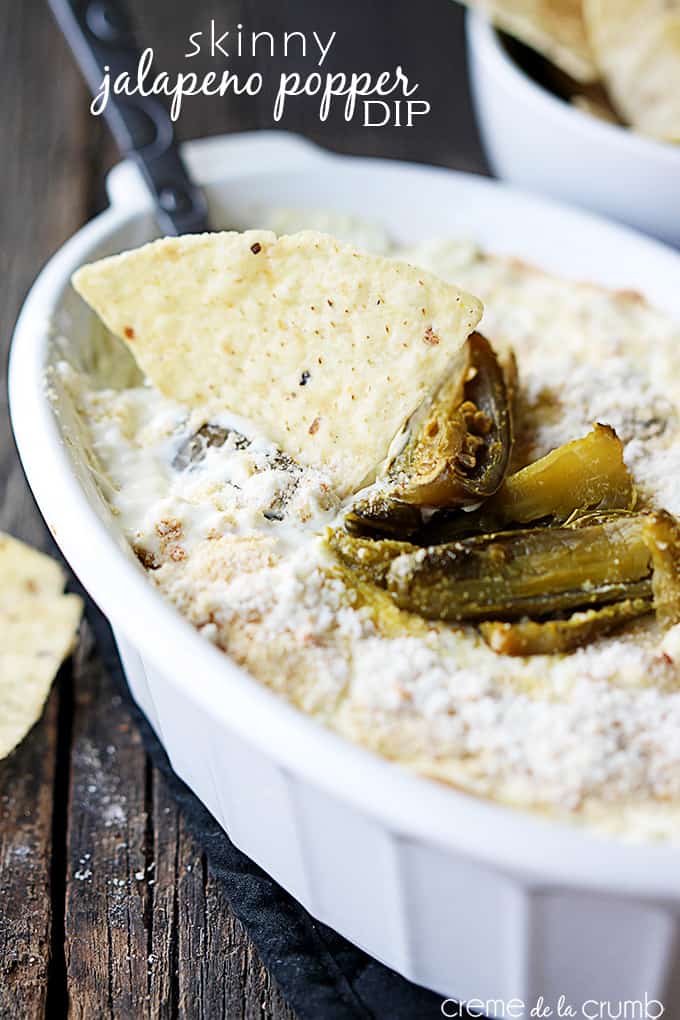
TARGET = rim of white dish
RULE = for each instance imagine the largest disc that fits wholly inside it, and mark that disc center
(545, 853)
(484, 38)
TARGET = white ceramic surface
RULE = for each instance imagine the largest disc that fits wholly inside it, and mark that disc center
(537, 141)
(468, 898)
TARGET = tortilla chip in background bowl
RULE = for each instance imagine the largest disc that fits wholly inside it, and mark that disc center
(554, 28)
(636, 44)
(38, 628)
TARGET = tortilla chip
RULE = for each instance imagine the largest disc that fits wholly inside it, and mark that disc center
(38, 625)
(25, 571)
(326, 350)
(554, 28)
(637, 47)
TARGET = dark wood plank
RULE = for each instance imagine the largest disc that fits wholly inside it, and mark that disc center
(42, 181)
(44, 188)
(26, 782)
(107, 893)
(148, 933)
(216, 971)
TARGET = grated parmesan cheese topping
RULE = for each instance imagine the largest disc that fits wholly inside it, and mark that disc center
(229, 538)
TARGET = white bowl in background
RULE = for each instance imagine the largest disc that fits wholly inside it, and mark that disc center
(469, 898)
(538, 141)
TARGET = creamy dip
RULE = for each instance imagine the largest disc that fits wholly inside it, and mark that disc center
(229, 534)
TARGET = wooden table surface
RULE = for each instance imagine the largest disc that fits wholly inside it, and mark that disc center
(108, 907)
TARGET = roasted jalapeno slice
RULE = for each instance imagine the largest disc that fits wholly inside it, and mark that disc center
(379, 514)
(369, 559)
(605, 569)
(662, 533)
(461, 440)
(582, 477)
(192, 451)
(533, 572)
(548, 637)
(583, 474)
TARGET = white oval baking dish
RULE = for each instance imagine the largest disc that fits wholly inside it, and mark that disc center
(463, 896)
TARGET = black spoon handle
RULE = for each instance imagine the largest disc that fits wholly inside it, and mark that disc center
(100, 35)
